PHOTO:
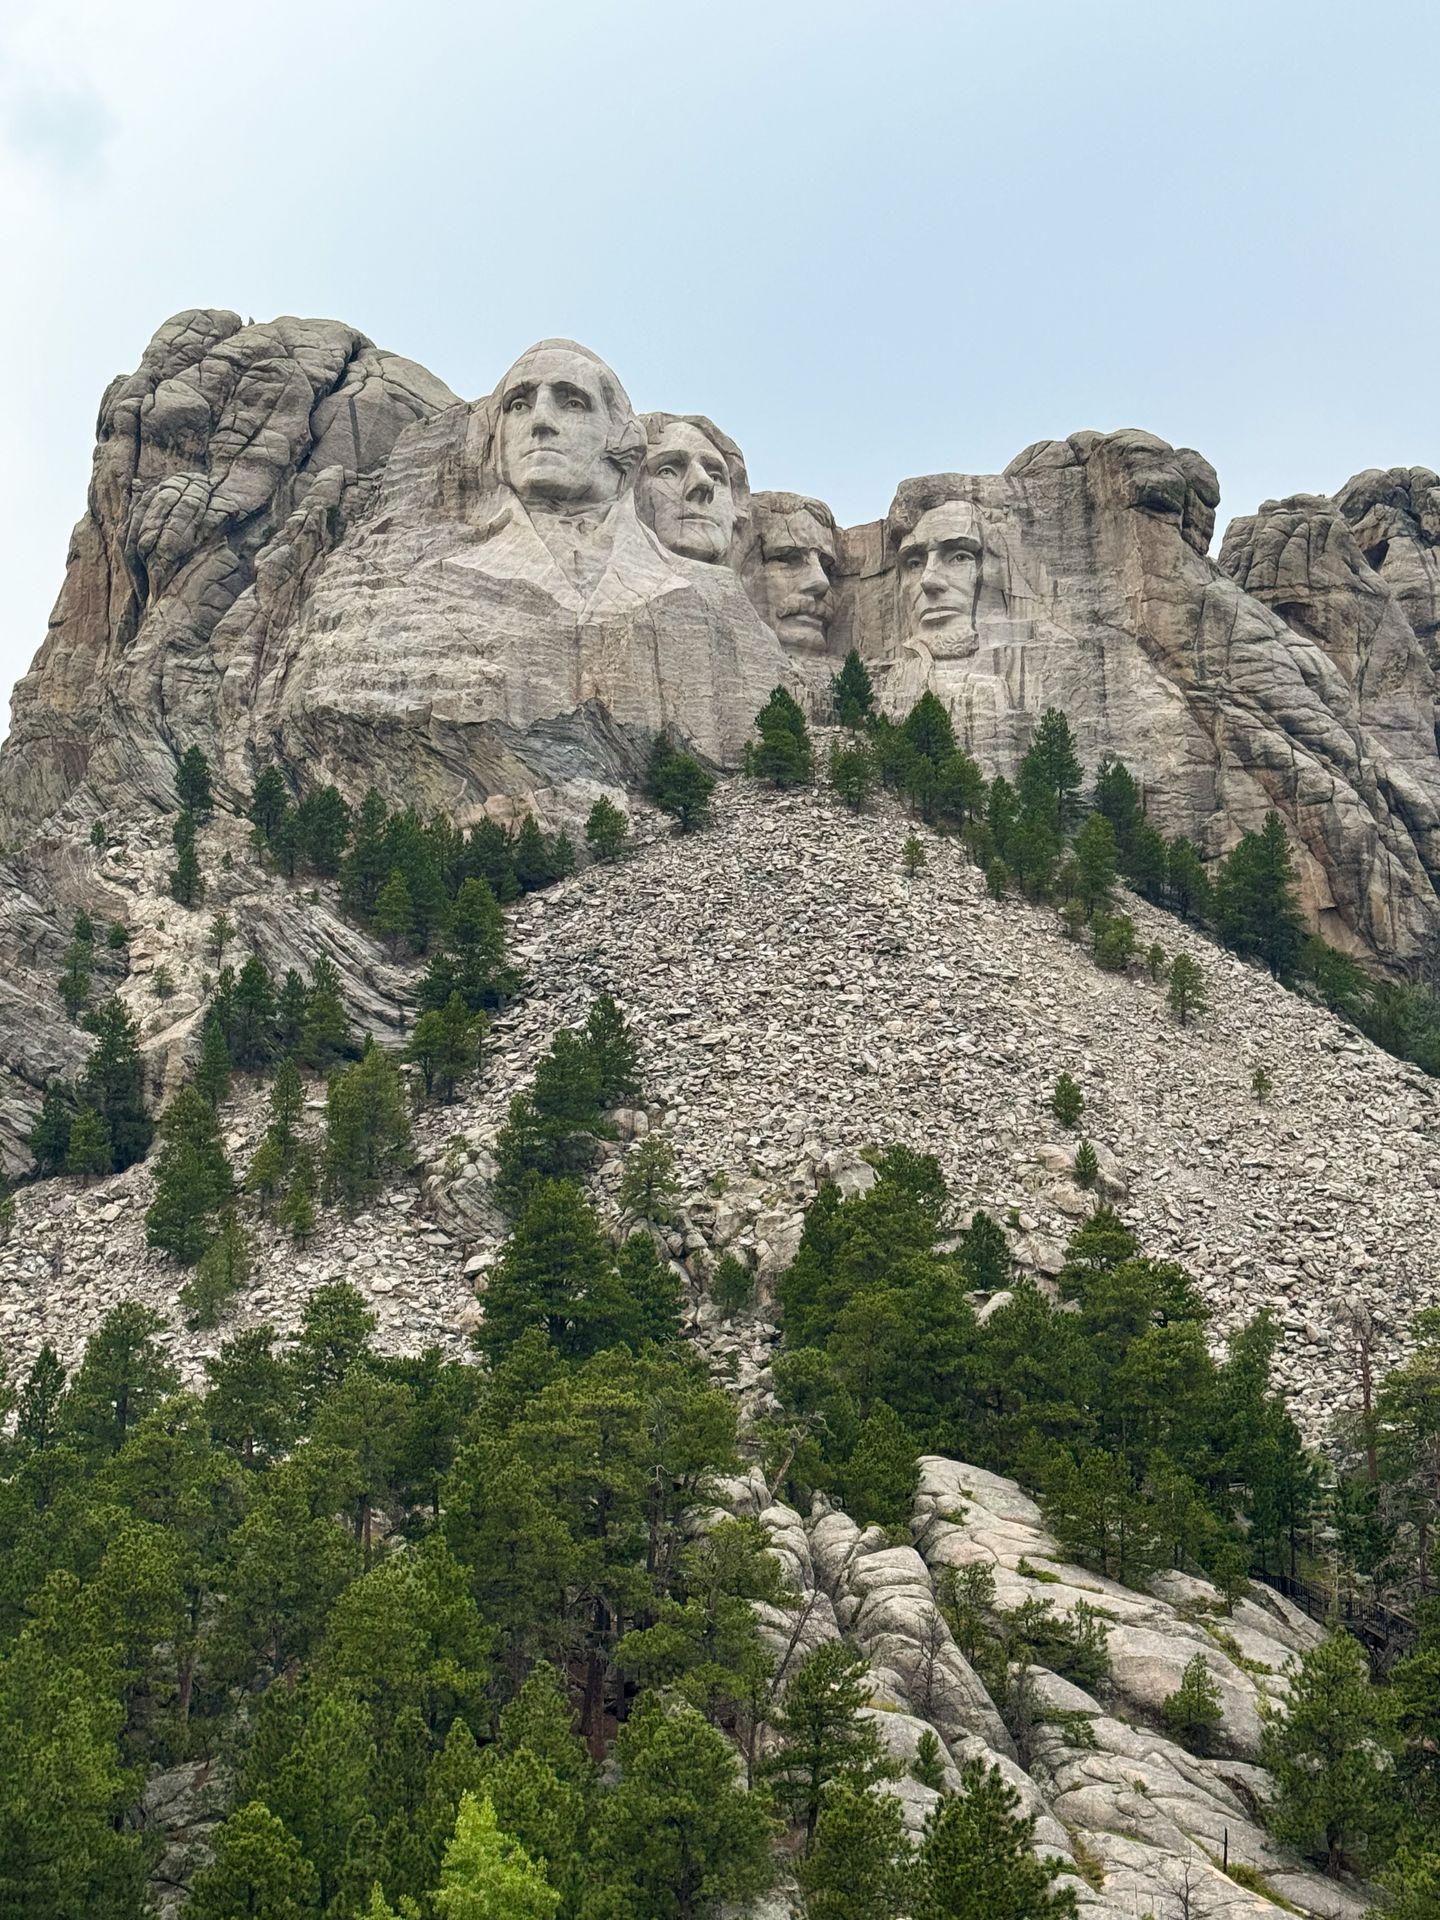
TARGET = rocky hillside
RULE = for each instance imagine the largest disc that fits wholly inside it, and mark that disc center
(797, 998)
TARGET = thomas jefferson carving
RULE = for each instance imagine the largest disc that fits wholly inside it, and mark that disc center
(692, 489)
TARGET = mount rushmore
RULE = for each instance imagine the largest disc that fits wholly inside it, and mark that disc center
(301, 550)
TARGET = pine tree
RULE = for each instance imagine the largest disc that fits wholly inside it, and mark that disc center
(1117, 797)
(1050, 774)
(1194, 1710)
(732, 1286)
(984, 1253)
(471, 960)
(683, 791)
(1087, 1165)
(858, 1868)
(186, 885)
(612, 1050)
(880, 1477)
(257, 1870)
(285, 842)
(1067, 1102)
(367, 1128)
(784, 757)
(854, 692)
(325, 1035)
(289, 1012)
(367, 865)
(959, 789)
(679, 1835)
(606, 830)
(40, 1410)
(113, 1083)
(250, 1025)
(1114, 942)
(123, 1376)
(820, 1737)
(222, 931)
(266, 1173)
(75, 980)
(49, 1139)
(322, 825)
(487, 1875)
(88, 1152)
(192, 785)
(1187, 881)
(852, 774)
(1256, 910)
(1324, 1751)
(1187, 988)
(647, 1180)
(1095, 861)
(394, 913)
(296, 1212)
(220, 1274)
(534, 857)
(1261, 1085)
(320, 1790)
(7, 1209)
(927, 729)
(287, 1103)
(556, 1273)
(562, 855)
(212, 1075)
(269, 802)
(977, 1862)
(912, 856)
(446, 1046)
(928, 1766)
(192, 1178)
(1147, 864)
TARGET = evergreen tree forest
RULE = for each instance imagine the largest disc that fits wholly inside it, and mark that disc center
(446, 1631)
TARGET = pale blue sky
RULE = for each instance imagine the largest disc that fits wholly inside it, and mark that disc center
(869, 241)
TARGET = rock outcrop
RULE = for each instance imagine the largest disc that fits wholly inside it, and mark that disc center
(303, 550)
(797, 1000)
(231, 456)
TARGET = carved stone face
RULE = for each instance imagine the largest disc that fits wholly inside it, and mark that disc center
(938, 566)
(684, 493)
(797, 556)
(555, 430)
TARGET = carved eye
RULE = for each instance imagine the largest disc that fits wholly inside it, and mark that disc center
(577, 403)
(668, 471)
(518, 405)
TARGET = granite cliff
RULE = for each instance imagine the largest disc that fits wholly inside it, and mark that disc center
(300, 550)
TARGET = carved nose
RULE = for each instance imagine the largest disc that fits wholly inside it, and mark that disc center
(816, 582)
(698, 485)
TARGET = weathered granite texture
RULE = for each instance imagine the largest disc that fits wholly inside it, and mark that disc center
(229, 452)
(479, 639)
(299, 548)
(1287, 675)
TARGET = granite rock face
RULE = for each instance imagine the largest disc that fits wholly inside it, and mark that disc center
(229, 452)
(304, 550)
(1288, 675)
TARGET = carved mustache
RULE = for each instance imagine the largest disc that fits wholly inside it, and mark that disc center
(801, 603)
